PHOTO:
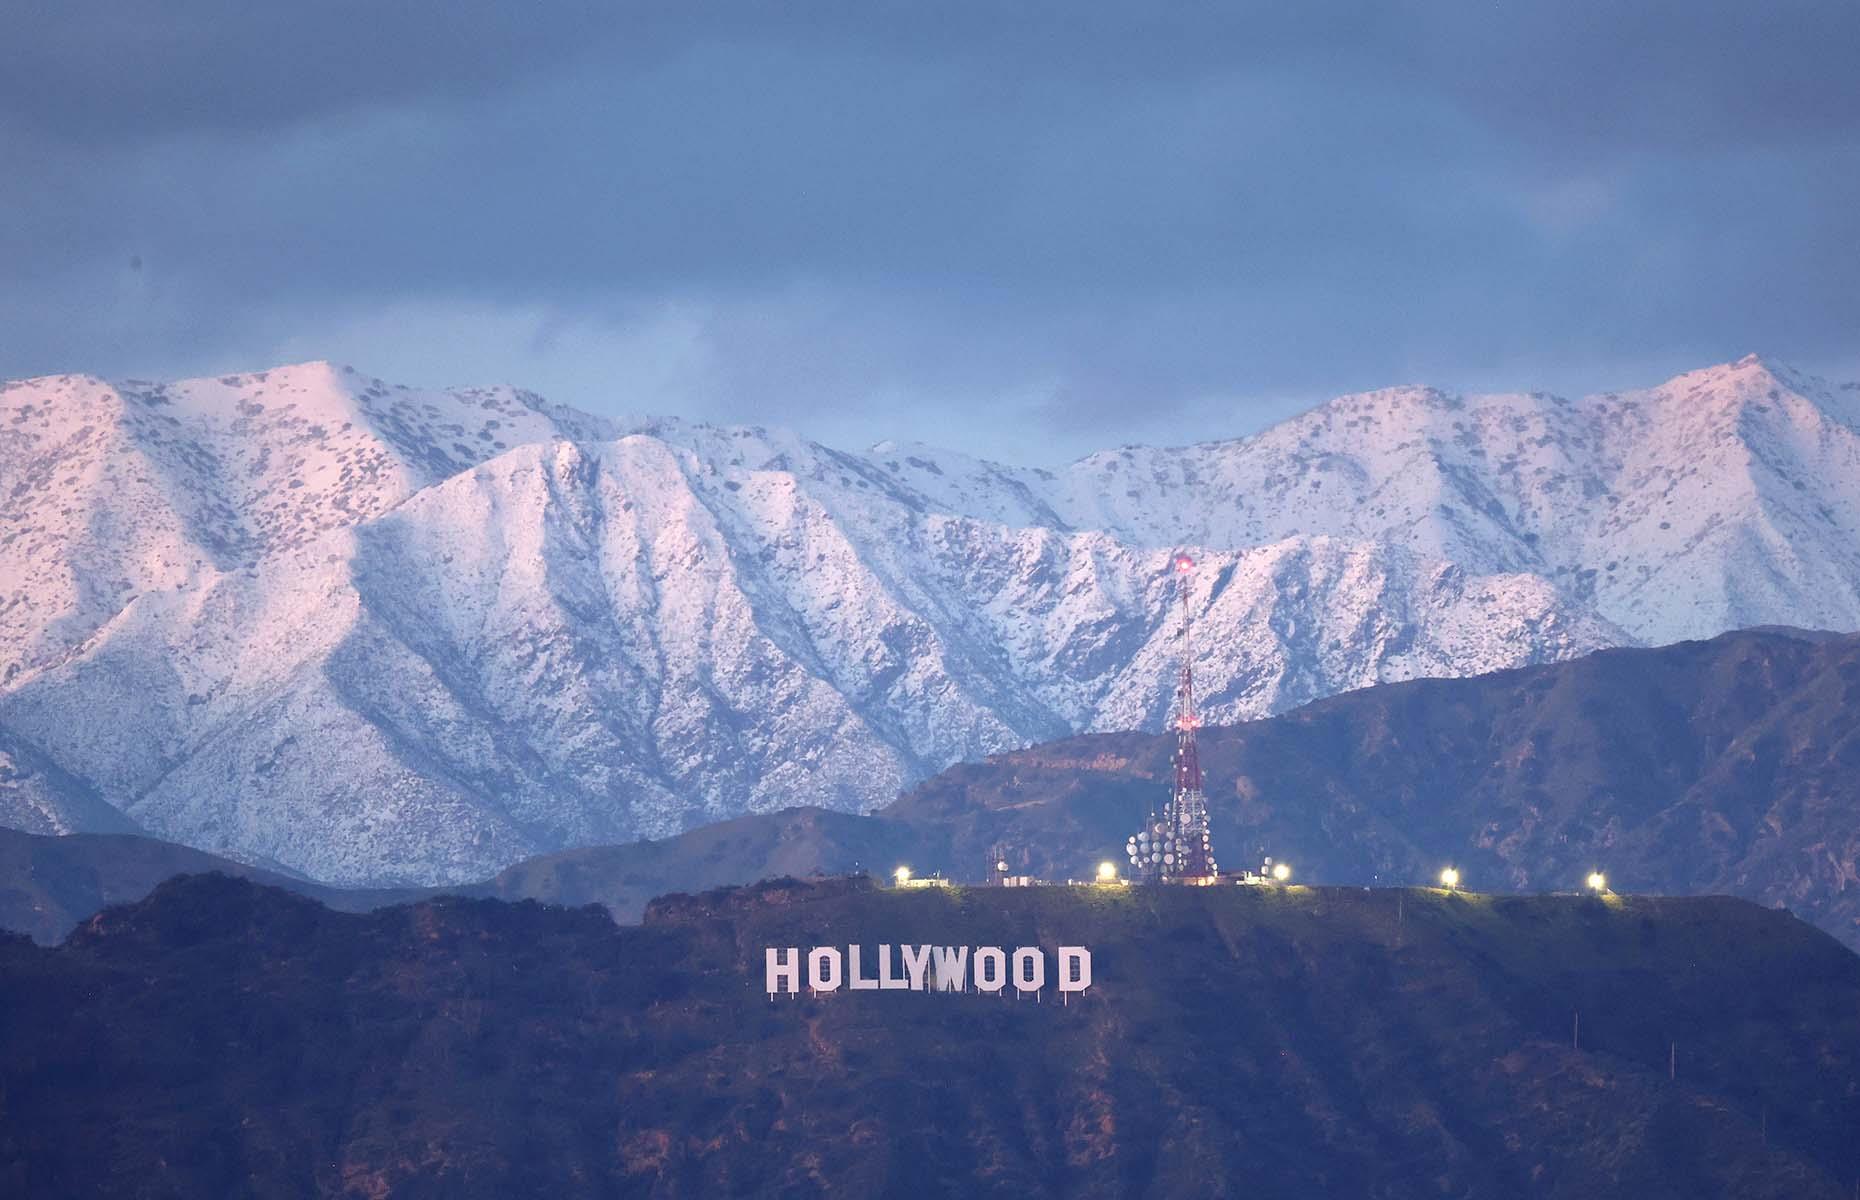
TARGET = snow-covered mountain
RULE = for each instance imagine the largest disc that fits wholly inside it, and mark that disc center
(372, 633)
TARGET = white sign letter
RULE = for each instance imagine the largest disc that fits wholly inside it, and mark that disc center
(952, 968)
(1029, 969)
(916, 958)
(990, 969)
(886, 979)
(782, 971)
(823, 969)
(852, 970)
(1074, 968)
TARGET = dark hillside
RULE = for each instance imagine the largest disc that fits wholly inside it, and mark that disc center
(225, 1039)
(1729, 766)
(49, 884)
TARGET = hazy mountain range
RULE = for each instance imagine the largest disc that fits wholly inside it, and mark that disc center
(374, 634)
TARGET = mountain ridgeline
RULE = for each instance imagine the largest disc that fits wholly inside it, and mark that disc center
(223, 1038)
(373, 634)
(1726, 766)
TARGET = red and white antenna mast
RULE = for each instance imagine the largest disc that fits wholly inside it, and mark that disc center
(1175, 847)
(1188, 804)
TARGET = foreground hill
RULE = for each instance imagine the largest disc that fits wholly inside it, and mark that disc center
(222, 1038)
(381, 635)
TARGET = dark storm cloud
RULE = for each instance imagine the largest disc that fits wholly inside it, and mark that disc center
(860, 218)
(1576, 71)
(107, 73)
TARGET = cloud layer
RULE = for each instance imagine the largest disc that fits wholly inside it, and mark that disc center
(1025, 229)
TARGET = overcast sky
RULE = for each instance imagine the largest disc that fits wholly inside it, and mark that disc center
(1026, 229)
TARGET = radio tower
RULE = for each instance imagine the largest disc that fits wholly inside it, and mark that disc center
(1175, 847)
(1194, 860)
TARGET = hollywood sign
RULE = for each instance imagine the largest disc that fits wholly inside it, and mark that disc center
(924, 968)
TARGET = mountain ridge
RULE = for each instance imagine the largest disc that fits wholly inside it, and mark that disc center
(1708, 767)
(530, 628)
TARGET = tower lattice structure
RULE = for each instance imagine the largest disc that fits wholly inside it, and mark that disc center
(1174, 846)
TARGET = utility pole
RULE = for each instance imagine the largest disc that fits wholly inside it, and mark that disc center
(1575, 1038)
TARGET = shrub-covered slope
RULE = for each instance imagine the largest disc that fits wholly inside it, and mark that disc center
(222, 1038)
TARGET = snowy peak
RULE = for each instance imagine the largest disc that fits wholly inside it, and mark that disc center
(1671, 509)
(529, 628)
(112, 491)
